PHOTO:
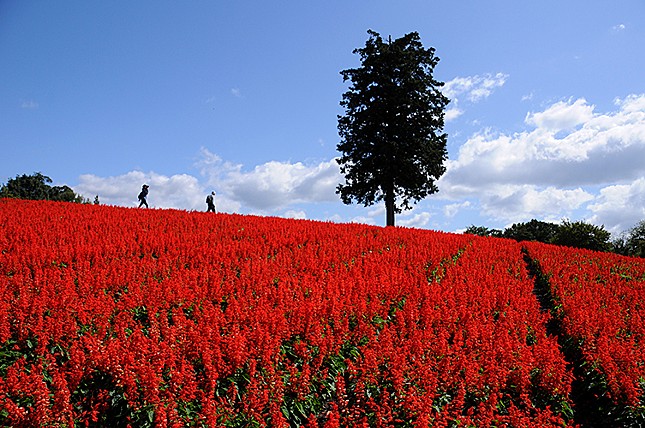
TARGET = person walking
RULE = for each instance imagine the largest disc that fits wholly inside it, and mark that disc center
(210, 202)
(143, 195)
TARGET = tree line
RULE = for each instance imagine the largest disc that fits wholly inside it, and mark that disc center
(577, 234)
(37, 187)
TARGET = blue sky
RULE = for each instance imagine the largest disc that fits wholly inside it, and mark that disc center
(546, 120)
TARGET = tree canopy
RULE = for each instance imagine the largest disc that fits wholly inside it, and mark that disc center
(534, 230)
(392, 141)
(36, 186)
(632, 242)
(578, 234)
(483, 231)
(636, 240)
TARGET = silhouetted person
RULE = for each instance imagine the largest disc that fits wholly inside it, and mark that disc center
(210, 201)
(143, 195)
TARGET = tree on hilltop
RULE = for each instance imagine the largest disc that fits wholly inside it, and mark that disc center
(392, 141)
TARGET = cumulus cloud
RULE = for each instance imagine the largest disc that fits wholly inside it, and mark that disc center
(557, 166)
(620, 206)
(595, 149)
(362, 220)
(451, 210)
(416, 220)
(562, 116)
(375, 215)
(273, 185)
(295, 214)
(473, 88)
(520, 203)
(452, 114)
(273, 188)
(180, 191)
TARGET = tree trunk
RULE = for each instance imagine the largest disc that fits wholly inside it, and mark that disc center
(389, 206)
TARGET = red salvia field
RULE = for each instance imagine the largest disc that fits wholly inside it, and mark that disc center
(124, 317)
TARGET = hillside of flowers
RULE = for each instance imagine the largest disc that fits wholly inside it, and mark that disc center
(126, 317)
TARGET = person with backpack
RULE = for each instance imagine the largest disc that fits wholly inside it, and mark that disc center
(210, 202)
(143, 195)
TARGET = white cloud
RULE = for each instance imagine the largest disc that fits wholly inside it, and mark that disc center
(557, 167)
(375, 215)
(363, 220)
(471, 89)
(474, 88)
(619, 27)
(597, 149)
(524, 202)
(620, 206)
(452, 114)
(562, 116)
(451, 210)
(271, 188)
(632, 104)
(295, 214)
(236, 92)
(417, 220)
(273, 185)
(177, 191)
